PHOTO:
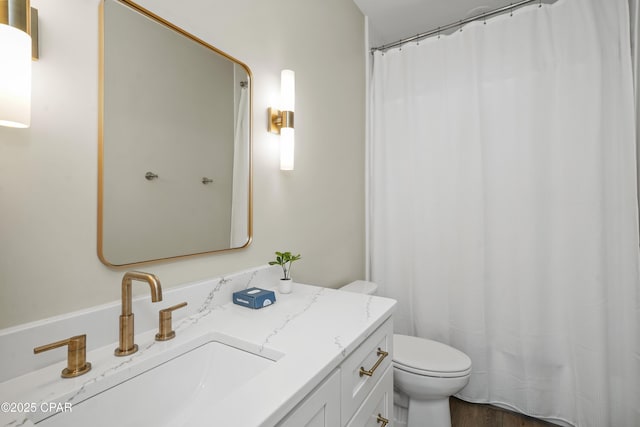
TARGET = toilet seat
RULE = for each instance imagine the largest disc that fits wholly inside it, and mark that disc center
(426, 357)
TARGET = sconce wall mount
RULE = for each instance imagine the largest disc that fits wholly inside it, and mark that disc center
(280, 119)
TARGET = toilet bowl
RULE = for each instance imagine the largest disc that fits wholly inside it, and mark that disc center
(426, 371)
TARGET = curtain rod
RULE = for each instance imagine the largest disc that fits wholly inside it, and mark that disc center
(453, 25)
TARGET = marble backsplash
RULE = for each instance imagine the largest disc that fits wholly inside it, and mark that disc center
(100, 323)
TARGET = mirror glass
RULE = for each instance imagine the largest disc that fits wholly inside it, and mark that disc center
(175, 142)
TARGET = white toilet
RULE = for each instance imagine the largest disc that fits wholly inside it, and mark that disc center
(426, 371)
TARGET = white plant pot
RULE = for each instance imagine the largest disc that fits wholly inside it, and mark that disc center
(285, 286)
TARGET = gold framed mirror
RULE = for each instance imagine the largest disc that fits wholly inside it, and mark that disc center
(174, 154)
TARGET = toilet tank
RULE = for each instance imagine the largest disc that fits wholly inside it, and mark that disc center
(361, 287)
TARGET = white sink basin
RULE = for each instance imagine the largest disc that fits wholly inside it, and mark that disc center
(168, 393)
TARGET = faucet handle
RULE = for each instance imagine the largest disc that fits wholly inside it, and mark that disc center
(166, 331)
(76, 355)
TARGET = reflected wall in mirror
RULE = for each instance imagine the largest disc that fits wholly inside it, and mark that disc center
(174, 143)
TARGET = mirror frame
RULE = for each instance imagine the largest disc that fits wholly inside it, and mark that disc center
(101, 62)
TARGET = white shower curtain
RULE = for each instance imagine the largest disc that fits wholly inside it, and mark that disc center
(503, 211)
(241, 170)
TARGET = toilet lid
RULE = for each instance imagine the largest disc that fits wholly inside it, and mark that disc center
(431, 358)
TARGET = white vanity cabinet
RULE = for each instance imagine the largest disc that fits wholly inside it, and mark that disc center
(347, 397)
(321, 408)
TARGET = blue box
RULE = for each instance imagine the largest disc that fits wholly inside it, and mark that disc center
(254, 297)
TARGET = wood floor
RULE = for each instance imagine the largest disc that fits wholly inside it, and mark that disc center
(465, 414)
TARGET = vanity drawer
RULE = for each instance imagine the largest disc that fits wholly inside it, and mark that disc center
(370, 356)
(377, 410)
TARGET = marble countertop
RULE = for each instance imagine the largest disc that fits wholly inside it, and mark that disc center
(309, 332)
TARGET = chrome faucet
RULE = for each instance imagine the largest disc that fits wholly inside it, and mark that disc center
(127, 345)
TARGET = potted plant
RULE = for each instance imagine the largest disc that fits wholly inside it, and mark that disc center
(284, 260)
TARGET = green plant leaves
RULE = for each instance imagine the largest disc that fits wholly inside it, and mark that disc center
(284, 259)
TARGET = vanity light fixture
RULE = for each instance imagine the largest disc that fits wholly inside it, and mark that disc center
(281, 121)
(18, 45)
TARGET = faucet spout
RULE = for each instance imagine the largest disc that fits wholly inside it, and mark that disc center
(127, 345)
(127, 281)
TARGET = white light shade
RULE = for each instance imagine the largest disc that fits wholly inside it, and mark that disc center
(15, 77)
(286, 149)
(287, 90)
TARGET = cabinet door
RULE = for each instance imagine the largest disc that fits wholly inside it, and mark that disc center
(377, 408)
(321, 408)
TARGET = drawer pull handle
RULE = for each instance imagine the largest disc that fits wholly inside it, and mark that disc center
(381, 354)
(382, 420)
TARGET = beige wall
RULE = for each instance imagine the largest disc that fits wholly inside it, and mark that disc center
(48, 173)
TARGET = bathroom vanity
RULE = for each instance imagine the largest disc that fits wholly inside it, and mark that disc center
(317, 357)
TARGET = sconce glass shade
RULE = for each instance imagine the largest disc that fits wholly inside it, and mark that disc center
(15, 77)
(281, 121)
(287, 90)
(287, 145)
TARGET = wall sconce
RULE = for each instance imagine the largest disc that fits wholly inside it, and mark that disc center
(281, 121)
(18, 45)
